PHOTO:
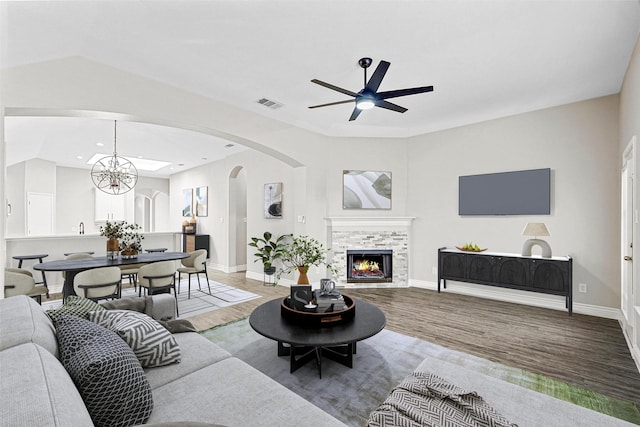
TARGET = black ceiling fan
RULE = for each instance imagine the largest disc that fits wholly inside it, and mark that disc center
(369, 96)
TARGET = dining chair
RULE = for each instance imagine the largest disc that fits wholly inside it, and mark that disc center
(77, 255)
(130, 272)
(196, 264)
(98, 283)
(158, 277)
(18, 281)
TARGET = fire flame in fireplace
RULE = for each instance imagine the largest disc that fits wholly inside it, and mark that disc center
(366, 265)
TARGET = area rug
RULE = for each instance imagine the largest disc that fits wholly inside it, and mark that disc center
(382, 361)
(200, 302)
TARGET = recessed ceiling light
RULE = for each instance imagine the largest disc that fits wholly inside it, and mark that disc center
(99, 144)
(204, 158)
(79, 157)
(139, 163)
(139, 157)
(229, 145)
(180, 164)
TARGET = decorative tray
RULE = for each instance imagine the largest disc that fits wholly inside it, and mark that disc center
(471, 250)
(314, 319)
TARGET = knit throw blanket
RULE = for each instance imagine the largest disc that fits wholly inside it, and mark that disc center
(423, 399)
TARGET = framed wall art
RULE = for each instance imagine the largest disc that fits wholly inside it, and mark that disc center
(273, 200)
(202, 201)
(187, 202)
(366, 190)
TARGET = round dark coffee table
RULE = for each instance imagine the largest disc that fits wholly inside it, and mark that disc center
(303, 343)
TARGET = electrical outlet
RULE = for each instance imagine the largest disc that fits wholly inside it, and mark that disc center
(434, 271)
(582, 287)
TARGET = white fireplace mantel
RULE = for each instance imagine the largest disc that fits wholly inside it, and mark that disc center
(369, 221)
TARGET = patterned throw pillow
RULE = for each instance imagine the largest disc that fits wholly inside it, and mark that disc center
(107, 374)
(75, 305)
(149, 340)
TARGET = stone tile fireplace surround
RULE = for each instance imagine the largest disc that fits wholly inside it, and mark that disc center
(370, 233)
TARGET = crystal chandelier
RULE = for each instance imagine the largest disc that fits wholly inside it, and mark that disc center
(114, 174)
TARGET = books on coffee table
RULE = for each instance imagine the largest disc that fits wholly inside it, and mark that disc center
(328, 303)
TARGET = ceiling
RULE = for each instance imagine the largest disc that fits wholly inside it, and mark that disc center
(485, 59)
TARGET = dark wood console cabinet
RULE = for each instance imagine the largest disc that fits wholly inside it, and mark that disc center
(192, 242)
(534, 274)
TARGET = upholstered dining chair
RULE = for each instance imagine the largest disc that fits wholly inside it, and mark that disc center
(18, 281)
(77, 255)
(158, 277)
(130, 272)
(196, 264)
(98, 283)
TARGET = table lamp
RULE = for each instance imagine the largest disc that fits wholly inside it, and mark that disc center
(536, 229)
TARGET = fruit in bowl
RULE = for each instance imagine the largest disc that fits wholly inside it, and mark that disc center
(471, 247)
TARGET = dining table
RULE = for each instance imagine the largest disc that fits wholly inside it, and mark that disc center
(71, 267)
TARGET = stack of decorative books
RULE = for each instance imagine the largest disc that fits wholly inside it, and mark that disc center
(329, 302)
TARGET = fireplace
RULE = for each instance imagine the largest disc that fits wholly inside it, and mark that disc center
(369, 265)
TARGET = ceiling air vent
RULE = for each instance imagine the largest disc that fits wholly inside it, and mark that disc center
(269, 103)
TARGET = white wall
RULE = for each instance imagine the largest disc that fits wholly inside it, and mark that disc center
(577, 141)
(75, 201)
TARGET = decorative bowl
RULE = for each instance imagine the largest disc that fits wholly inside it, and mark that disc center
(471, 250)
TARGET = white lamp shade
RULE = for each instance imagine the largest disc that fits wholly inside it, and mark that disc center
(536, 229)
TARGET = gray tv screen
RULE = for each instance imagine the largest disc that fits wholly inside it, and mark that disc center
(506, 193)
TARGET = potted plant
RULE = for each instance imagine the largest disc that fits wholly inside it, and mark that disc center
(113, 231)
(269, 250)
(303, 252)
(131, 243)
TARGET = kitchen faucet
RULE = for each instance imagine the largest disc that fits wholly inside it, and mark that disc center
(81, 227)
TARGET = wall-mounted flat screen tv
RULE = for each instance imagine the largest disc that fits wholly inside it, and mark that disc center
(506, 193)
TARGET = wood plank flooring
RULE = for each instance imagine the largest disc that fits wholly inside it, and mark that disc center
(585, 351)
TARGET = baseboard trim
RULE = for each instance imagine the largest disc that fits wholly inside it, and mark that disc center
(520, 297)
(260, 277)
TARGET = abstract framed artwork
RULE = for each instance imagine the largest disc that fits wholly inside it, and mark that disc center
(273, 200)
(187, 202)
(202, 201)
(366, 190)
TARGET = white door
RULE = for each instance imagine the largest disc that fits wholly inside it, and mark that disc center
(39, 214)
(627, 222)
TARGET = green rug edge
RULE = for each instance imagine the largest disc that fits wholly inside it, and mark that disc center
(614, 407)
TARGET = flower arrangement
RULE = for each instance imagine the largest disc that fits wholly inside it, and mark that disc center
(303, 252)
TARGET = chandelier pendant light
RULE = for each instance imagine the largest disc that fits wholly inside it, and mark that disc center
(114, 174)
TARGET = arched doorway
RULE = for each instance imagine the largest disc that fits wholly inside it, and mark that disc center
(237, 231)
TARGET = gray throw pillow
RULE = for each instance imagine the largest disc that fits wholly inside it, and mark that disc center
(76, 306)
(152, 344)
(105, 371)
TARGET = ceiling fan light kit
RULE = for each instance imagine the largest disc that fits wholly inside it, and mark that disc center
(369, 96)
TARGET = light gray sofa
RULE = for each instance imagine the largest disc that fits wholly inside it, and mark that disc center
(207, 386)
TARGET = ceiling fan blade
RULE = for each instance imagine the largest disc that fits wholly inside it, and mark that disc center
(403, 92)
(355, 114)
(374, 82)
(336, 88)
(332, 103)
(390, 106)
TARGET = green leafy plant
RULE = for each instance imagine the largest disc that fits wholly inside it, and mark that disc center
(305, 251)
(128, 235)
(131, 240)
(113, 230)
(268, 248)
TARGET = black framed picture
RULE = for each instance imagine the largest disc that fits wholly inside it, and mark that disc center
(301, 295)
